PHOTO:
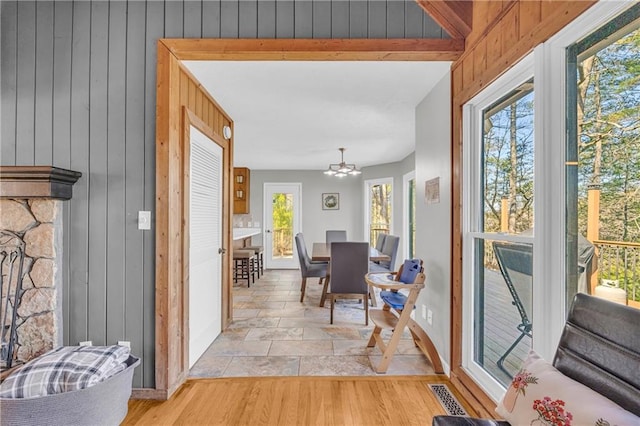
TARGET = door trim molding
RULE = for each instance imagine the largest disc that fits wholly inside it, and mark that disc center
(316, 49)
(173, 120)
(169, 319)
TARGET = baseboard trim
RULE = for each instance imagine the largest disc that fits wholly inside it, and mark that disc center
(148, 393)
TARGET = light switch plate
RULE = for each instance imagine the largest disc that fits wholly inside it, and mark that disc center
(144, 220)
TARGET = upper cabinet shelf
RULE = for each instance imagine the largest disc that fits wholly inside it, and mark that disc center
(241, 190)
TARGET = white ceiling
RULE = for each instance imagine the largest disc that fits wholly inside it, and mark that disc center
(295, 115)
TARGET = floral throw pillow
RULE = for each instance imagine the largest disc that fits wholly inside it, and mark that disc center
(541, 395)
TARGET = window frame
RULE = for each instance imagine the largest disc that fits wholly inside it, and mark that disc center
(473, 210)
(547, 65)
(367, 204)
(406, 217)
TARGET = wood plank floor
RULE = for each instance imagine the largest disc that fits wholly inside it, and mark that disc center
(393, 400)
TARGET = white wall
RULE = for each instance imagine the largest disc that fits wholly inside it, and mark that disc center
(433, 221)
(315, 221)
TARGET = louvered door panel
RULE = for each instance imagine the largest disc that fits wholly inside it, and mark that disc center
(205, 238)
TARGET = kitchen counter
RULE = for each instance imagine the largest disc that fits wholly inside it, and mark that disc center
(242, 233)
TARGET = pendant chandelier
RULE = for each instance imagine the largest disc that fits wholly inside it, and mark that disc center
(342, 169)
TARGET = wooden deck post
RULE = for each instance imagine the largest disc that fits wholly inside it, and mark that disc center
(504, 214)
(593, 229)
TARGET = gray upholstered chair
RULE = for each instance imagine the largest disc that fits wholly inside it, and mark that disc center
(334, 236)
(380, 241)
(599, 348)
(390, 248)
(349, 265)
(308, 268)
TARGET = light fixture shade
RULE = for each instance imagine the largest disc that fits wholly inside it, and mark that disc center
(226, 132)
(342, 169)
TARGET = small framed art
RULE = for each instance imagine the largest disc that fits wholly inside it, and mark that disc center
(330, 201)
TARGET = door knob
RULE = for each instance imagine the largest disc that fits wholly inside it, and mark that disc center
(222, 251)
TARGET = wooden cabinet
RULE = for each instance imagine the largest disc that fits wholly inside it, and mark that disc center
(241, 190)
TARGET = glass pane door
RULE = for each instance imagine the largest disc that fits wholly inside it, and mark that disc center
(282, 223)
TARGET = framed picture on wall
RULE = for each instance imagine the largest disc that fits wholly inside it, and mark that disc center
(432, 191)
(330, 201)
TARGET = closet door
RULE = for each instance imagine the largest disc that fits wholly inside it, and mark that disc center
(205, 241)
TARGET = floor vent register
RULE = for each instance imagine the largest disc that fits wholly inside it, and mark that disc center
(447, 400)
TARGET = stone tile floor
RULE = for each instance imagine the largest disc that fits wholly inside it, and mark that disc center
(273, 334)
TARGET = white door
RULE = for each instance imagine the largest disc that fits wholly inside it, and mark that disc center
(205, 239)
(281, 224)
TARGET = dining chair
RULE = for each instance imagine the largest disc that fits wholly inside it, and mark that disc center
(308, 268)
(390, 248)
(380, 241)
(349, 264)
(334, 236)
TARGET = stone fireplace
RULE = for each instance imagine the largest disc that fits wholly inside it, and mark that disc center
(31, 202)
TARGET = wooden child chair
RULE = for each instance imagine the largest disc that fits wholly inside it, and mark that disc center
(396, 312)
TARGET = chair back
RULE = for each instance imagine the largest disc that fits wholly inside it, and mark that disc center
(349, 264)
(390, 248)
(600, 348)
(380, 241)
(516, 264)
(334, 236)
(409, 271)
(303, 256)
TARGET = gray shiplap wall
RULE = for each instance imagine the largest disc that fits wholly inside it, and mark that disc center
(77, 82)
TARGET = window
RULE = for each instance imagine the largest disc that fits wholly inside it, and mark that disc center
(499, 233)
(603, 162)
(530, 192)
(378, 208)
(410, 215)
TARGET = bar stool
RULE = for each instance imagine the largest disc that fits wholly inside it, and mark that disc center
(244, 266)
(259, 250)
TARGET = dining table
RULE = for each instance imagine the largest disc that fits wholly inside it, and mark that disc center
(322, 252)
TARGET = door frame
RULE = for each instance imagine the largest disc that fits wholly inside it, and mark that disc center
(297, 221)
(169, 256)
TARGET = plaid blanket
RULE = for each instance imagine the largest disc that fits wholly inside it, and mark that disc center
(65, 369)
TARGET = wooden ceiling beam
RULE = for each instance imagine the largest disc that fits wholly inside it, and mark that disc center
(316, 49)
(455, 16)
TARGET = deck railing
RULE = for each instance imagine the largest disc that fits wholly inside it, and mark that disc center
(282, 242)
(619, 265)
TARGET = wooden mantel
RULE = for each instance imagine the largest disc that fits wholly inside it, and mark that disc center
(37, 182)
